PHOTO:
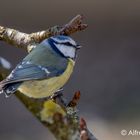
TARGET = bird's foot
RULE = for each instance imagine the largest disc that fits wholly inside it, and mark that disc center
(58, 98)
(58, 93)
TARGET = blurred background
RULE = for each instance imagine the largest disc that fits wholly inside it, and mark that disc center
(107, 71)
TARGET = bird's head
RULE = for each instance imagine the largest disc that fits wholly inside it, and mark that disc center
(64, 45)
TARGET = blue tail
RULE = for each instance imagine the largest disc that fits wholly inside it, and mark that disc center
(8, 89)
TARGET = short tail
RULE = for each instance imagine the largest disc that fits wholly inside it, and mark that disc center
(8, 89)
(2, 88)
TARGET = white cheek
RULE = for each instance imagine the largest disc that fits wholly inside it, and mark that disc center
(67, 51)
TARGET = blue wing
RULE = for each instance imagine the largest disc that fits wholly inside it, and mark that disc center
(26, 71)
(42, 63)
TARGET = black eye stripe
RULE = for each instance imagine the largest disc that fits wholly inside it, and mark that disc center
(68, 44)
(64, 43)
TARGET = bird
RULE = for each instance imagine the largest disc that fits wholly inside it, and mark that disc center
(45, 70)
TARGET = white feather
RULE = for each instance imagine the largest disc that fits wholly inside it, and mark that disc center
(71, 41)
(45, 69)
(1, 91)
(66, 50)
(5, 63)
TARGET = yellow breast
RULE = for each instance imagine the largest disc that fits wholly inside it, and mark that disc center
(45, 88)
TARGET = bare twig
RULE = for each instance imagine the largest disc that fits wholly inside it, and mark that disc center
(24, 40)
(75, 99)
(85, 134)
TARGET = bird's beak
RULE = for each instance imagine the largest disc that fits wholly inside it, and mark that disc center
(78, 47)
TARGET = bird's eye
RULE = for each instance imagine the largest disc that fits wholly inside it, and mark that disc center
(68, 44)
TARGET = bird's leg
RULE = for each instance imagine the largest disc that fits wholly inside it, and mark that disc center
(59, 99)
(57, 93)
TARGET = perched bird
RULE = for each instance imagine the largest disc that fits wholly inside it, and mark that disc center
(44, 70)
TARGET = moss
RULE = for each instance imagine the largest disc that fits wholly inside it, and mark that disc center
(49, 109)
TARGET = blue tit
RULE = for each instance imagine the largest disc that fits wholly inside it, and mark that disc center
(44, 70)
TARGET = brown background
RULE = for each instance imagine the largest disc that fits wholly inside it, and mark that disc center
(107, 70)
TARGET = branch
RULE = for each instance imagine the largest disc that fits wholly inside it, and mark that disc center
(56, 114)
(24, 40)
(85, 134)
(61, 119)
